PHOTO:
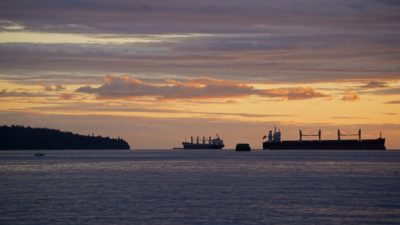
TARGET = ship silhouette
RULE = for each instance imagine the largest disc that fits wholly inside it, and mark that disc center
(211, 143)
(274, 142)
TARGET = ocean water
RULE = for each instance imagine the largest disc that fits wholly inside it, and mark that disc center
(200, 187)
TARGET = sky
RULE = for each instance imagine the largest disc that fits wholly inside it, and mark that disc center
(155, 72)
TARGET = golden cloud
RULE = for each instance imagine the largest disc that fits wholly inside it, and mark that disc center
(350, 96)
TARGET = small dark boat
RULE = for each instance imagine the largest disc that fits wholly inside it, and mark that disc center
(39, 154)
(243, 147)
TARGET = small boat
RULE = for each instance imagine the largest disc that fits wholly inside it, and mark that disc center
(39, 154)
(243, 147)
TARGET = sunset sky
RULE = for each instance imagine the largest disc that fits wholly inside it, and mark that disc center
(157, 71)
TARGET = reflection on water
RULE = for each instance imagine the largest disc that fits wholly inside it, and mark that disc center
(199, 187)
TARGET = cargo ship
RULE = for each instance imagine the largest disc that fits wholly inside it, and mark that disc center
(215, 143)
(274, 142)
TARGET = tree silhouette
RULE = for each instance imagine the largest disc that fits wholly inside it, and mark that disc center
(20, 137)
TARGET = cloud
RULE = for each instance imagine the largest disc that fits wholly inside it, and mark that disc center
(10, 25)
(66, 96)
(350, 96)
(88, 108)
(349, 117)
(375, 84)
(393, 102)
(390, 113)
(275, 40)
(248, 115)
(126, 87)
(388, 91)
(293, 60)
(53, 87)
(6, 93)
(292, 93)
(204, 81)
(207, 16)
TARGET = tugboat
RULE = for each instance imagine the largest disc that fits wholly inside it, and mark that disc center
(243, 147)
(274, 142)
(215, 143)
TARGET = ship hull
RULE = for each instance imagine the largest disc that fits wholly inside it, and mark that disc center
(372, 144)
(201, 146)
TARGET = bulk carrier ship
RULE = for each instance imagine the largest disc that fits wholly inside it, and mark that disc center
(215, 143)
(274, 142)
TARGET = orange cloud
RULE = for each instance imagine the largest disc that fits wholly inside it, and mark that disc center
(125, 87)
(350, 96)
(199, 88)
(293, 93)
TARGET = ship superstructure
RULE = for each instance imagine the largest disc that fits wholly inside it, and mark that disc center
(211, 143)
(274, 142)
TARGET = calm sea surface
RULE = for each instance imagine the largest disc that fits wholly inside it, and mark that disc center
(200, 187)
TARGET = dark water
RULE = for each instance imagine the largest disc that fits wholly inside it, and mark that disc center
(200, 187)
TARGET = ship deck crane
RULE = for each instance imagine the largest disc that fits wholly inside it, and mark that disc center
(318, 134)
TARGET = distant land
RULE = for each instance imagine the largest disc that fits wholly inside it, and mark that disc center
(24, 138)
